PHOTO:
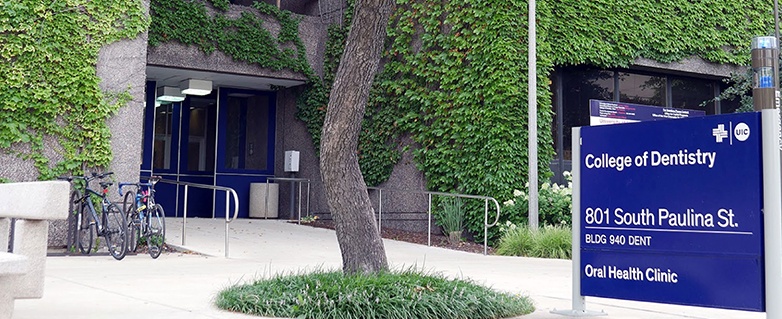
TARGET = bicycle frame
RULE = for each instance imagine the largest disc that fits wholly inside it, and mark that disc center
(87, 197)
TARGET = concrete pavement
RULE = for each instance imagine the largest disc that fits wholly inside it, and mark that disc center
(183, 285)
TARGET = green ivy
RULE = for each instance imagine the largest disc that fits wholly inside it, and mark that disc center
(454, 75)
(244, 38)
(48, 58)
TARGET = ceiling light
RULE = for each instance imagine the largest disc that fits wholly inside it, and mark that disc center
(169, 94)
(196, 87)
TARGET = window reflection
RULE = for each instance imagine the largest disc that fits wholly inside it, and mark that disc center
(578, 87)
(687, 93)
(163, 132)
(200, 140)
(642, 89)
(247, 118)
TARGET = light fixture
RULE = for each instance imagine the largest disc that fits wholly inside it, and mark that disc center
(169, 94)
(196, 87)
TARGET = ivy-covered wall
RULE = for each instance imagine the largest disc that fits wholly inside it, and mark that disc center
(53, 112)
(455, 79)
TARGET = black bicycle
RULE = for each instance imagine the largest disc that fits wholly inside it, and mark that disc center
(109, 222)
(146, 218)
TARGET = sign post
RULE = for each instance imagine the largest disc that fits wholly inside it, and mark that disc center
(765, 99)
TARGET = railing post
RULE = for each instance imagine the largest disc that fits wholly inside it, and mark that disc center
(184, 218)
(429, 228)
(300, 201)
(380, 211)
(227, 203)
(266, 201)
(485, 225)
(308, 198)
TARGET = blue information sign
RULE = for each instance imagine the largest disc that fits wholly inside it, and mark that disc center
(671, 212)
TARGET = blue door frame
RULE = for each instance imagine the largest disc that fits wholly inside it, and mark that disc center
(237, 112)
(236, 173)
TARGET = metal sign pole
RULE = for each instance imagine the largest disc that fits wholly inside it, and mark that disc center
(765, 99)
(578, 302)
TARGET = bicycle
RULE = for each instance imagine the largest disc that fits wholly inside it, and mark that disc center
(145, 218)
(109, 222)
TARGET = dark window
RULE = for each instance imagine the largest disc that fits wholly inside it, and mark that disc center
(200, 138)
(163, 132)
(642, 89)
(247, 132)
(573, 87)
(688, 93)
(578, 87)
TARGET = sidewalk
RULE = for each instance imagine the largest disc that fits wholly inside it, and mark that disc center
(183, 285)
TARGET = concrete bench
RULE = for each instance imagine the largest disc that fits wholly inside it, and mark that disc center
(33, 205)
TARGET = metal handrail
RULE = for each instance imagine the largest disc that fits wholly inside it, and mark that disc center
(486, 199)
(228, 220)
(289, 179)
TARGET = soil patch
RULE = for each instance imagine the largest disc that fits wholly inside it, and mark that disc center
(438, 240)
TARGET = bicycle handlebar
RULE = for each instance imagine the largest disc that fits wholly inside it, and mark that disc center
(151, 183)
(92, 176)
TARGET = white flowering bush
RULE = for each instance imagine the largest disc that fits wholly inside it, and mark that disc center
(554, 204)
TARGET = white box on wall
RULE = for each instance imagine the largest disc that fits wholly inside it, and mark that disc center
(291, 161)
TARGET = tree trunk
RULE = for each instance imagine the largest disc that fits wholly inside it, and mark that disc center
(357, 234)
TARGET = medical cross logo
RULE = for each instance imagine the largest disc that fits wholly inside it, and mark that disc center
(719, 133)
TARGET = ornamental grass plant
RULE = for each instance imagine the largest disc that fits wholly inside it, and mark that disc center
(405, 294)
(545, 242)
(451, 217)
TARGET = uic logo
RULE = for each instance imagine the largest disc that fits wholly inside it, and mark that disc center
(741, 132)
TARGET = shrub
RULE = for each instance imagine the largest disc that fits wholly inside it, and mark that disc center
(554, 204)
(406, 294)
(546, 242)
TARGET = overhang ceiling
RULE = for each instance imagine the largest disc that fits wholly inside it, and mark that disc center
(172, 76)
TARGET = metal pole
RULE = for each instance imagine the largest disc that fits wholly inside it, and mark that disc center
(485, 226)
(300, 202)
(226, 223)
(532, 125)
(293, 196)
(429, 231)
(772, 212)
(579, 302)
(184, 217)
(765, 95)
(380, 208)
(266, 201)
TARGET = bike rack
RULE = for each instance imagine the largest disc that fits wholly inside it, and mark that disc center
(228, 220)
(486, 199)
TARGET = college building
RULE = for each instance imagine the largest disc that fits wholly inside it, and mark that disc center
(202, 116)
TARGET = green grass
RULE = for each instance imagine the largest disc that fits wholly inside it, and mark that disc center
(546, 242)
(404, 295)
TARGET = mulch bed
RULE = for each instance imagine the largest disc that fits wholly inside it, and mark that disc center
(438, 240)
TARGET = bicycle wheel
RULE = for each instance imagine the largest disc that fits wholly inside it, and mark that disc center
(134, 224)
(129, 201)
(156, 230)
(85, 229)
(115, 231)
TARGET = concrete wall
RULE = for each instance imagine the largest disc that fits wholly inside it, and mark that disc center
(175, 55)
(121, 66)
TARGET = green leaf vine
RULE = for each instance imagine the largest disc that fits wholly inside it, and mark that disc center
(51, 93)
(454, 76)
